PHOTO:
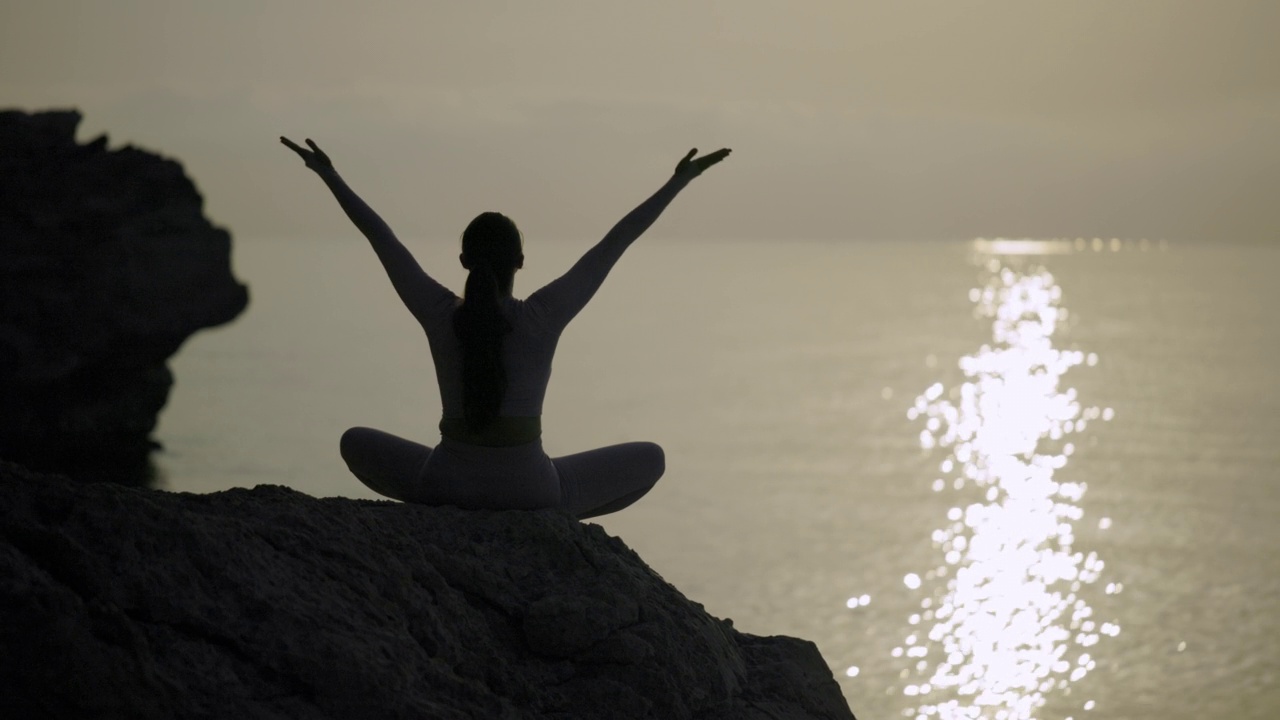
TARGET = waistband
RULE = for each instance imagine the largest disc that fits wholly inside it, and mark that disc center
(502, 432)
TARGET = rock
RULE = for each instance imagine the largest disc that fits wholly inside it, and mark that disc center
(107, 265)
(267, 603)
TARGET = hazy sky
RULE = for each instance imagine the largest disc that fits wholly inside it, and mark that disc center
(847, 119)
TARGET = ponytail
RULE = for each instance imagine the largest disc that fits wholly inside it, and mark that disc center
(478, 322)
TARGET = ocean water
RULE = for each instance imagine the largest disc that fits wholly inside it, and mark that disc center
(997, 479)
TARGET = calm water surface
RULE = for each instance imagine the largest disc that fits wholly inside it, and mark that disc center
(990, 479)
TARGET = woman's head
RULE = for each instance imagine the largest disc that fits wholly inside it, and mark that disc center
(491, 250)
(492, 239)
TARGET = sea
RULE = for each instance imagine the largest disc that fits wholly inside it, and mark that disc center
(997, 478)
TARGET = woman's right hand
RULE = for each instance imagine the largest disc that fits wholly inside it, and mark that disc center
(314, 158)
(692, 167)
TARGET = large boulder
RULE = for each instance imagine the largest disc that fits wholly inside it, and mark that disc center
(107, 264)
(267, 603)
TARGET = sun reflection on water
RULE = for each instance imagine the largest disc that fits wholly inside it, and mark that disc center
(1002, 624)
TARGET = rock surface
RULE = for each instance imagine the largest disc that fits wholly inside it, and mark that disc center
(267, 603)
(107, 264)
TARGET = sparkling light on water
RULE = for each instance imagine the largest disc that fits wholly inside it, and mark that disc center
(1001, 623)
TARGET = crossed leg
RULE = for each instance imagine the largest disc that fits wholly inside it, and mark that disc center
(608, 479)
(592, 483)
(386, 463)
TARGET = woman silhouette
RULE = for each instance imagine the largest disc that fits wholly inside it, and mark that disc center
(492, 354)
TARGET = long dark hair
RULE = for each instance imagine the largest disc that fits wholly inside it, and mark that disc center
(491, 249)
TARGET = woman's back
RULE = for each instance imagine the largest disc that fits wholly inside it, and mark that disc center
(527, 352)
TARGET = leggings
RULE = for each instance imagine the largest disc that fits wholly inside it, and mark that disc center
(588, 484)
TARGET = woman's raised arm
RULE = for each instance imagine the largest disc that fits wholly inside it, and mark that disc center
(417, 290)
(561, 299)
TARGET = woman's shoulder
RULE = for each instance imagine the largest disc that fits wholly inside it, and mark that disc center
(524, 316)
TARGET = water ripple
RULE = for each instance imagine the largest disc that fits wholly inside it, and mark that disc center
(1002, 624)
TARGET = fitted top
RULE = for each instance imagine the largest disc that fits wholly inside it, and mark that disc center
(536, 324)
(536, 321)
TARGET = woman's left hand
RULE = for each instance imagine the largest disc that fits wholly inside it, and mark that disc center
(314, 158)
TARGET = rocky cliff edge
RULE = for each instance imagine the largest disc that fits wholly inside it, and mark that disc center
(107, 265)
(268, 603)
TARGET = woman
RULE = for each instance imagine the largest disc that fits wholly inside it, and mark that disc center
(492, 356)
